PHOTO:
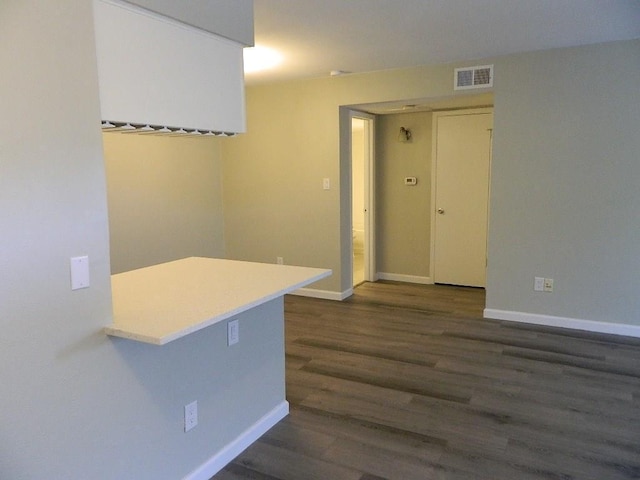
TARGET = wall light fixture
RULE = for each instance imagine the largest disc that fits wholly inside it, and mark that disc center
(404, 135)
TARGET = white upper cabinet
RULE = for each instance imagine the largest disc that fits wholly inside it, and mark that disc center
(158, 71)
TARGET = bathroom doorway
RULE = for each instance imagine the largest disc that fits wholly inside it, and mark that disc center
(362, 199)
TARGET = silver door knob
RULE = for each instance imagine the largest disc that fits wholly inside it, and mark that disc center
(441, 211)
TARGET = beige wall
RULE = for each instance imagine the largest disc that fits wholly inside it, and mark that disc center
(563, 203)
(165, 198)
(274, 200)
(403, 212)
(274, 204)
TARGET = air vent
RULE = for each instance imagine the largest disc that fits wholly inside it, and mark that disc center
(473, 77)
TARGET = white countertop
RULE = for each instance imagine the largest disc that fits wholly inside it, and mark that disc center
(165, 302)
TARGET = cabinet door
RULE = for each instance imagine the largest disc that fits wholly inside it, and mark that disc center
(155, 70)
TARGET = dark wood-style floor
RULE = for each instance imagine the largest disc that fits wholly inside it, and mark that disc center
(409, 382)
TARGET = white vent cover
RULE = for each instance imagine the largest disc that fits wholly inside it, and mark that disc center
(473, 77)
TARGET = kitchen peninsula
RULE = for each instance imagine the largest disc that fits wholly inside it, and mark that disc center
(174, 319)
(162, 303)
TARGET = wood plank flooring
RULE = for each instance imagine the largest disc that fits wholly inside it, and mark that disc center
(409, 382)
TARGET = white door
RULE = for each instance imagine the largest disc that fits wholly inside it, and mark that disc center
(463, 157)
(359, 153)
(362, 197)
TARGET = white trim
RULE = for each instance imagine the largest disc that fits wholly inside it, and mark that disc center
(564, 322)
(370, 193)
(398, 277)
(237, 446)
(324, 294)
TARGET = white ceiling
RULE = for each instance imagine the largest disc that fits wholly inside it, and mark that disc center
(317, 36)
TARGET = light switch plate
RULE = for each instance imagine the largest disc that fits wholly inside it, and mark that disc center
(79, 272)
(538, 284)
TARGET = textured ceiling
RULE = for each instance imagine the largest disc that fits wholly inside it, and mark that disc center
(317, 36)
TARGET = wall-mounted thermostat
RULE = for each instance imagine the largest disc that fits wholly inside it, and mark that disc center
(410, 181)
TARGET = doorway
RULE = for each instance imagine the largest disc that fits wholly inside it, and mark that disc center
(462, 156)
(362, 198)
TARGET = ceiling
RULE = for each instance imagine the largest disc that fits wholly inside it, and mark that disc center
(315, 37)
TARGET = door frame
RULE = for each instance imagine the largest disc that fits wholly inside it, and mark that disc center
(346, 202)
(434, 186)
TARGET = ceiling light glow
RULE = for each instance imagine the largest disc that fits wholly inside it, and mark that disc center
(260, 58)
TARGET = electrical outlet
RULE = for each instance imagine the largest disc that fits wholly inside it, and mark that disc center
(190, 416)
(538, 284)
(233, 332)
(280, 260)
(541, 284)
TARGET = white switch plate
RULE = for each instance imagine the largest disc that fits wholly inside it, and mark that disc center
(548, 284)
(538, 284)
(233, 332)
(190, 416)
(326, 184)
(79, 272)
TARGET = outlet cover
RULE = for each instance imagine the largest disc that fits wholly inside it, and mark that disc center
(548, 284)
(190, 416)
(233, 332)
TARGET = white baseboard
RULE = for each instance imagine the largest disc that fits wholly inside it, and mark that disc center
(398, 277)
(237, 446)
(339, 296)
(325, 294)
(564, 322)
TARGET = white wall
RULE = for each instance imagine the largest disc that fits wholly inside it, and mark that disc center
(229, 18)
(76, 404)
(565, 196)
(52, 207)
